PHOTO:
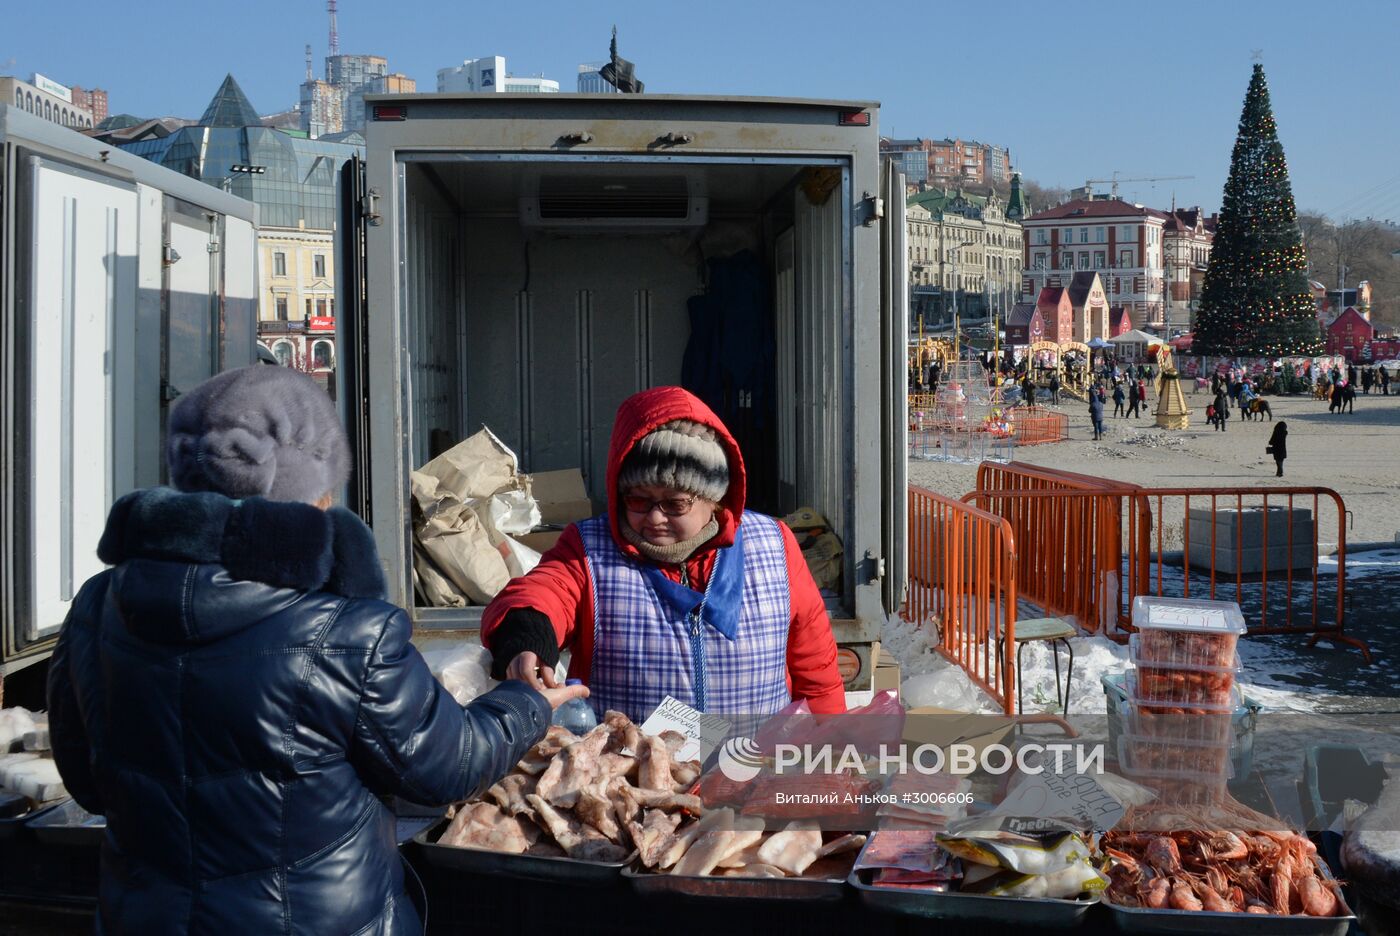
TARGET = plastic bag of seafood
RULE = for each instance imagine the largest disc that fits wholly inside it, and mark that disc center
(1002, 863)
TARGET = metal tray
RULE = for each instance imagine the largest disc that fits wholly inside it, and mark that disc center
(9, 828)
(1139, 920)
(68, 824)
(734, 888)
(525, 867)
(1041, 912)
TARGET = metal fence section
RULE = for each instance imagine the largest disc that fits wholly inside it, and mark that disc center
(1260, 547)
(1037, 425)
(962, 580)
(1088, 546)
(1079, 539)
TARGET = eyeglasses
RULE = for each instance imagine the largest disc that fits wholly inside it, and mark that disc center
(670, 506)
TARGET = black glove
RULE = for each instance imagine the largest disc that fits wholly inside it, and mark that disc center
(523, 630)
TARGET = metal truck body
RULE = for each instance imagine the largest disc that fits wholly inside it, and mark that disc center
(122, 284)
(524, 262)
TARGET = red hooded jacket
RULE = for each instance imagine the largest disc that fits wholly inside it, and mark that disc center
(560, 590)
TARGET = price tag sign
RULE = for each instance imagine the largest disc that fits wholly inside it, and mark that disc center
(703, 732)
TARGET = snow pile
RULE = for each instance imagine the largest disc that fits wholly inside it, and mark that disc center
(929, 678)
(1363, 564)
(1151, 439)
(1094, 658)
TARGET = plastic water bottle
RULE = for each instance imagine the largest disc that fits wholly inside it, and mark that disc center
(576, 715)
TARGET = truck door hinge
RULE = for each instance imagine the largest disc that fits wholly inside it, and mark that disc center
(368, 206)
(872, 568)
(873, 209)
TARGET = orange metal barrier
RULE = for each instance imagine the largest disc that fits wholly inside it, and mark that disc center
(1088, 546)
(962, 579)
(921, 401)
(1070, 532)
(1285, 585)
(1038, 425)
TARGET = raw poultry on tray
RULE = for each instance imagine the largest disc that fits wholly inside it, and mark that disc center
(615, 793)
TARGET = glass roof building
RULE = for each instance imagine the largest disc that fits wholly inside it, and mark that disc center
(295, 187)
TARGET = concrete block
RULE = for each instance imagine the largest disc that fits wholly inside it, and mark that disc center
(1240, 546)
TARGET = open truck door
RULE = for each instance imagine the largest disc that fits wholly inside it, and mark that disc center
(894, 333)
(351, 332)
(75, 236)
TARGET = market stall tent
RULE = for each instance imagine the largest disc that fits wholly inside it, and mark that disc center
(1133, 343)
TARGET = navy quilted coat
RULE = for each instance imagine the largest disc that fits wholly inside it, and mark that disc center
(235, 697)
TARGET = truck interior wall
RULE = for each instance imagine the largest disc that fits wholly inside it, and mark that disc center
(822, 352)
(540, 337)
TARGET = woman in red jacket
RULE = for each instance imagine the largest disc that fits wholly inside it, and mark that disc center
(676, 590)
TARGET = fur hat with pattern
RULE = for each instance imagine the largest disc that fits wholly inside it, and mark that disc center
(681, 455)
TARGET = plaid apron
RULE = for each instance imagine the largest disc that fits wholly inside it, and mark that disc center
(644, 649)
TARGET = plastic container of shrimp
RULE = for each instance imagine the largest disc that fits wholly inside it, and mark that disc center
(1160, 692)
(1174, 758)
(1184, 684)
(1162, 723)
(1186, 631)
(1179, 787)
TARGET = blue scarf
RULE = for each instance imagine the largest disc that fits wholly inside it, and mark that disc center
(719, 603)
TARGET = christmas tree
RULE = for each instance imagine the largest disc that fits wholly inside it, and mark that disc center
(1255, 301)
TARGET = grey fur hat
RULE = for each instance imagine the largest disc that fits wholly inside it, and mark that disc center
(258, 432)
(681, 454)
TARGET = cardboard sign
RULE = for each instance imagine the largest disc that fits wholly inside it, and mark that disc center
(1076, 797)
(703, 732)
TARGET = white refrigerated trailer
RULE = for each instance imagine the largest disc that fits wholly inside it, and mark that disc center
(122, 284)
(526, 262)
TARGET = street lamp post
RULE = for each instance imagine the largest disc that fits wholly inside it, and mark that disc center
(240, 169)
(957, 330)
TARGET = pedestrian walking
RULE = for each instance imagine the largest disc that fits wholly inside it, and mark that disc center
(1142, 397)
(1055, 388)
(1222, 410)
(1278, 445)
(1118, 398)
(1385, 380)
(1134, 404)
(1349, 398)
(1096, 414)
(1368, 377)
(1028, 389)
(1336, 405)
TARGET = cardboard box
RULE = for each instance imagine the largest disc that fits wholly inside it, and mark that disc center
(541, 541)
(887, 673)
(561, 495)
(945, 727)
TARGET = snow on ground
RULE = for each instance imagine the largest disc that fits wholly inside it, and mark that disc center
(932, 680)
(1363, 564)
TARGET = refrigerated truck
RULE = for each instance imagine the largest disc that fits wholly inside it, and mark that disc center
(524, 262)
(122, 284)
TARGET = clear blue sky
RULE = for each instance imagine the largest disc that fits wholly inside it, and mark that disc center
(1075, 89)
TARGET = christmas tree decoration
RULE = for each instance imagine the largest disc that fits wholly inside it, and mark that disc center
(1255, 301)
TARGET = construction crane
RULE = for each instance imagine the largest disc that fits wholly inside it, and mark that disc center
(1113, 182)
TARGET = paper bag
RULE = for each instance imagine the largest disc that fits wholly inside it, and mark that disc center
(460, 544)
(437, 590)
(476, 467)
